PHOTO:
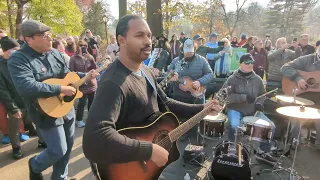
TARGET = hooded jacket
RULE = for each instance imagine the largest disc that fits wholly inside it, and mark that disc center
(239, 88)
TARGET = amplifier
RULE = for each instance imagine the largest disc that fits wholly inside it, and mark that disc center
(194, 155)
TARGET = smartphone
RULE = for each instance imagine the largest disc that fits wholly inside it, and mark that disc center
(221, 43)
(83, 50)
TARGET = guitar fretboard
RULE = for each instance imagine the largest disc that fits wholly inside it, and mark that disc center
(186, 126)
(78, 83)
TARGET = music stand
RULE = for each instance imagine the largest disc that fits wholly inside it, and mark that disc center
(299, 113)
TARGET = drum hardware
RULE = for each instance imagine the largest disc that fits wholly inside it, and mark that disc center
(297, 112)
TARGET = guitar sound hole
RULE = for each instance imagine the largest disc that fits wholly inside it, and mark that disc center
(163, 140)
(311, 81)
(69, 98)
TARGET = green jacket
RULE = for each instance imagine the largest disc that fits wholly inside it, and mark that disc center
(9, 96)
(204, 50)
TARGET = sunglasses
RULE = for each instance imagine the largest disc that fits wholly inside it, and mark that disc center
(248, 62)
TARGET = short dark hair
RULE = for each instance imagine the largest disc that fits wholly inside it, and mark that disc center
(56, 43)
(123, 25)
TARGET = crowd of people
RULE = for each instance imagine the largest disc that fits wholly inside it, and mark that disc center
(126, 93)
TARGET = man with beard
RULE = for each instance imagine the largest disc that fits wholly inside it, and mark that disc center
(127, 96)
(70, 49)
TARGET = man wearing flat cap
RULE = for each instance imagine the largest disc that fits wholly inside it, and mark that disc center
(29, 66)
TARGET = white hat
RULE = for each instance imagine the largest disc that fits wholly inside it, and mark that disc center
(188, 46)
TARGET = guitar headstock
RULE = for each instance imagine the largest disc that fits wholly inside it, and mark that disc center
(222, 96)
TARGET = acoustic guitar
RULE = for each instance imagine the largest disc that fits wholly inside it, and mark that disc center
(186, 85)
(59, 106)
(312, 79)
(164, 131)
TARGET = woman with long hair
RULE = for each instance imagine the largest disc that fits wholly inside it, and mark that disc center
(71, 46)
(175, 44)
(223, 60)
(82, 61)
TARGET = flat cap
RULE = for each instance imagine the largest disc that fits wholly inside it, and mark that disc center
(31, 27)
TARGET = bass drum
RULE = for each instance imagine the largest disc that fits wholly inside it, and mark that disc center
(226, 166)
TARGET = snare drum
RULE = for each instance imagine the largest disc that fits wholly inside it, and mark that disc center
(257, 129)
(212, 126)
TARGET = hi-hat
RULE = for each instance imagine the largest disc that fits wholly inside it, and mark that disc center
(300, 112)
(284, 99)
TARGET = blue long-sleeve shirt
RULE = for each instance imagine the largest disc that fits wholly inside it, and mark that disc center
(212, 45)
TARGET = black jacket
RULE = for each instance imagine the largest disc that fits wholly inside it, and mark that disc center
(9, 96)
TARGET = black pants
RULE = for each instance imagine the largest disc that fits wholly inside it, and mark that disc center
(212, 64)
(221, 76)
(82, 104)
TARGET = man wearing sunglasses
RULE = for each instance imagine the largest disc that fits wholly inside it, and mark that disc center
(29, 66)
(244, 88)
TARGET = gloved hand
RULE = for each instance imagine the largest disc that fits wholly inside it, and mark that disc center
(250, 98)
(259, 107)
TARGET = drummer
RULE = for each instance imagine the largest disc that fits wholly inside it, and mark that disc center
(307, 63)
(245, 87)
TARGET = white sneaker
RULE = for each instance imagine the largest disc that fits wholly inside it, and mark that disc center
(80, 124)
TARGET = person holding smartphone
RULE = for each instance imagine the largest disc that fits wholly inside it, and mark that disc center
(82, 61)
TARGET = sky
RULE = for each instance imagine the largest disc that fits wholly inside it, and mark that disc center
(230, 5)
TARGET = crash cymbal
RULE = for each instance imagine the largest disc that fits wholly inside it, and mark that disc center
(284, 99)
(298, 112)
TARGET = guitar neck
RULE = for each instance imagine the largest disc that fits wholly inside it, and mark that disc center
(186, 126)
(86, 78)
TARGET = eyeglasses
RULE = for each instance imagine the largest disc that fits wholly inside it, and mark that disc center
(249, 62)
(83, 45)
(44, 36)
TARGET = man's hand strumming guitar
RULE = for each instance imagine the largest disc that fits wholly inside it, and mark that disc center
(159, 155)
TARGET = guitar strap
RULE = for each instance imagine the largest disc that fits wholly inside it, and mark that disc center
(155, 89)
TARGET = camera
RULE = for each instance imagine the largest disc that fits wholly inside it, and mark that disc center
(83, 50)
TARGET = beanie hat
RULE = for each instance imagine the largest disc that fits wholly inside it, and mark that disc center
(8, 43)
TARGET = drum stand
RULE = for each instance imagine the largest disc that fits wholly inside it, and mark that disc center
(277, 168)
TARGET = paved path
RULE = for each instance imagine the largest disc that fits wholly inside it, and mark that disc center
(308, 162)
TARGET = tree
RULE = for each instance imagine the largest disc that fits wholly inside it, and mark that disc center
(63, 16)
(122, 8)
(154, 16)
(288, 16)
(232, 19)
(19, 18)
(93, 20)
(138, 7)
(313, 23)
(3, 15)
(252, 19)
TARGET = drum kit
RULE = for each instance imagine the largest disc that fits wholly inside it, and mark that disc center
(231, 160)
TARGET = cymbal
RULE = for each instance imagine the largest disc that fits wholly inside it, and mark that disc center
(294, 111)
(284, 99)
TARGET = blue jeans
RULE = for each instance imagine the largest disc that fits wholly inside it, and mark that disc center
(235, 119)
(59, 145)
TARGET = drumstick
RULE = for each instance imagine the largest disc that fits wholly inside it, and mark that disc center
(267, 93)
(239, 153)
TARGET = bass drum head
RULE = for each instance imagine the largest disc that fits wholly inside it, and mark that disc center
(225, 166)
